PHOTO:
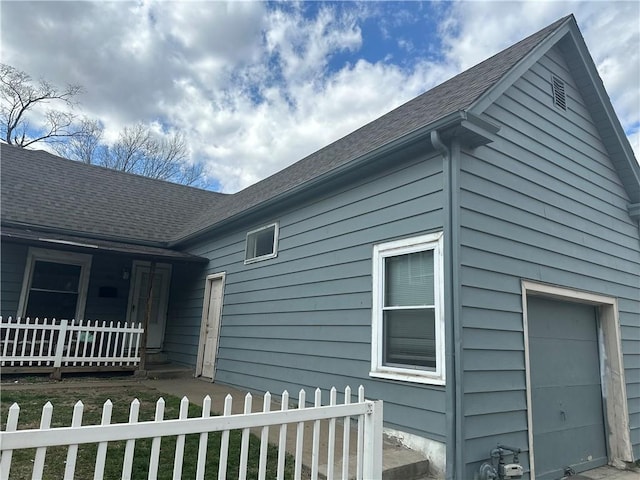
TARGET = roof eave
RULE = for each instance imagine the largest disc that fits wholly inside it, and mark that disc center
(625, 160)
(57, 240)
(87, 235)
(473, 130)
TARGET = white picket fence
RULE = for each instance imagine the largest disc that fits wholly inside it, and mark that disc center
(26, 342)
(368, 456)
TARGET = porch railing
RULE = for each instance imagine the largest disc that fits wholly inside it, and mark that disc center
(26, 342)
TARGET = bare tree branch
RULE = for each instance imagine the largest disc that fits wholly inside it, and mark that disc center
(86, 145)
(25, 120)
(164, 157)
(21, 96)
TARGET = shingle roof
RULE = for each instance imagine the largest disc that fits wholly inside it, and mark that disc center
(42, 190)
(456, 94)
(92, 245)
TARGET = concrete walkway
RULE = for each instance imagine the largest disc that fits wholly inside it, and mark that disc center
(609, 473)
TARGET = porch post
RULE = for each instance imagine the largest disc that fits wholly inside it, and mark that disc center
(57, 362)
(147, 317)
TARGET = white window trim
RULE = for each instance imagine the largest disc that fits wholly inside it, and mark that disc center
(276, 231)
(70, 258)
(434, 242)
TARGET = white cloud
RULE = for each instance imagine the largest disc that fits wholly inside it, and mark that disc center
(252, 85)
(301, 106)
(302, 46)
(476, 30)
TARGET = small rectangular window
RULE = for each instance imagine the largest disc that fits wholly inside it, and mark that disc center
(262, 244)
(407, 319)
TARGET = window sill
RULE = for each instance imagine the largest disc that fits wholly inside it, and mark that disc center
(260, 259)
(409, 377)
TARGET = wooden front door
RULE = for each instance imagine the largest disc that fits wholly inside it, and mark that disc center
(138, 300)
(212, 312)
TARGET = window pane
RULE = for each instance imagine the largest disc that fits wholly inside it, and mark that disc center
(56, 305)
(55, 276)
(264, 242)
(410, 338)
(260, 243)
(409, 279)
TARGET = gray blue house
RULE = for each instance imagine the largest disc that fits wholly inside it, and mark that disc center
(472, 258)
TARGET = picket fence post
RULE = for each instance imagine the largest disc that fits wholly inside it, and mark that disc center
(282, 444)
(346, 428)
(372, 453)
(224, 441)
(101, 455)
(62, 335)
(11, 426)
(360, 440)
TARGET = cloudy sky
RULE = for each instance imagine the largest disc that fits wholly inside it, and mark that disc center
(257, 86)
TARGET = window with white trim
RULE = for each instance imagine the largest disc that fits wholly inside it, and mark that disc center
(407, 317)
(262, 243)
(55, 284)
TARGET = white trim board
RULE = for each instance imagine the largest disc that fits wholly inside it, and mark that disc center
(619, 449)
(203, 322)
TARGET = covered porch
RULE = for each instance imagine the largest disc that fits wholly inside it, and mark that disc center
(75, 304)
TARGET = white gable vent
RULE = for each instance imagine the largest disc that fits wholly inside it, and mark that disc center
(559, 97)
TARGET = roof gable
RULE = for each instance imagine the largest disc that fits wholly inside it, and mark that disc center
(571, 43)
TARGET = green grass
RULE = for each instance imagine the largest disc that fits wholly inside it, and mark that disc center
(63, 400)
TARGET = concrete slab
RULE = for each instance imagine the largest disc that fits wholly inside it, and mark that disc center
(610, 473)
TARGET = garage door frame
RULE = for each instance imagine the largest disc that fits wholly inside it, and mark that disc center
(611, 369)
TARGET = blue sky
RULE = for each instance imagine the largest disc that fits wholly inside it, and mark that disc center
(256, 86)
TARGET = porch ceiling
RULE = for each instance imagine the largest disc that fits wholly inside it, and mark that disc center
(72, 242)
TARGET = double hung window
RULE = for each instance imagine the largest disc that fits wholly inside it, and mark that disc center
(407, 320)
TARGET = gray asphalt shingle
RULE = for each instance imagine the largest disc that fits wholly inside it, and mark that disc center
(42, 190)
(456, 94)
(45, 191)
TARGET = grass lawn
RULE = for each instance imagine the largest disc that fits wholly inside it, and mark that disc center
(63, 400)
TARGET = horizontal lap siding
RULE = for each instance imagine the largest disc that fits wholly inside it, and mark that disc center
(303, 319)
(14, 259)
(542, 203)
(184, 313)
